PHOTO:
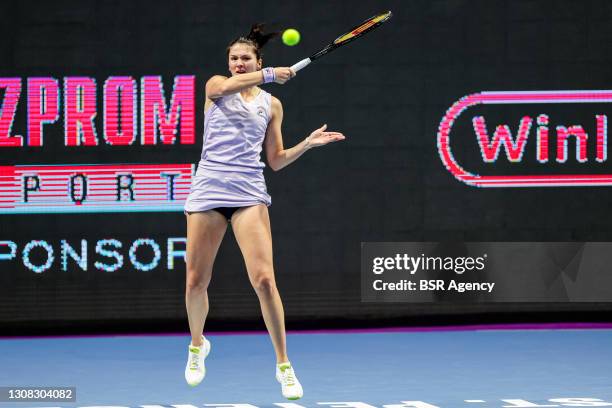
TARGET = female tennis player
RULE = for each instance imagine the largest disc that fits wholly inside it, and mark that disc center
(229, 186)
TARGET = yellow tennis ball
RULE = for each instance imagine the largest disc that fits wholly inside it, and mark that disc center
(291, 36)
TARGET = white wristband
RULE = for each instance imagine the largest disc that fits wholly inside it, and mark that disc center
(268, 75)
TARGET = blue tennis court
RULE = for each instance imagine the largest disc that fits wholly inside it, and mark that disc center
(442, 368)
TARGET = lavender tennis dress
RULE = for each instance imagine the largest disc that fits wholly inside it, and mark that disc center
(230, 171)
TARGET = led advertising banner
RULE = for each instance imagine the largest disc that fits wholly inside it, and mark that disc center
(560, 139)
(134, 115)
(88, 203)
(56, 187)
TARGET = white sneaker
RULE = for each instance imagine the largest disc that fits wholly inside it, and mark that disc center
(195, 369)
(291, 387)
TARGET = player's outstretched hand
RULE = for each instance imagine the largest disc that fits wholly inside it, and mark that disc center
(320, 137)
(283, 74)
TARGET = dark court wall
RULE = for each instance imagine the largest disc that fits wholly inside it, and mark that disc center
(386, 92)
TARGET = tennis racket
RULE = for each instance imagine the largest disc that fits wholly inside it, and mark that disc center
(354, 33)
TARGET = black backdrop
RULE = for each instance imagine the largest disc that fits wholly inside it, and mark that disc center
(386, 182)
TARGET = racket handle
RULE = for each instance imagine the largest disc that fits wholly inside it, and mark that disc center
(302, 64)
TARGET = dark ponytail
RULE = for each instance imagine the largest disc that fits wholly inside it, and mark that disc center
(257, 35)
(256, 38)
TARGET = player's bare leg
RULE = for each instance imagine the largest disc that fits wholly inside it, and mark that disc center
(251, 227)
(205, 231)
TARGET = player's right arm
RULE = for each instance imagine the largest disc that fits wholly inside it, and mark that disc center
(219, 85)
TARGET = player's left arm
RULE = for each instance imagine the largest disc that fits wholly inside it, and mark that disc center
(279, 157)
